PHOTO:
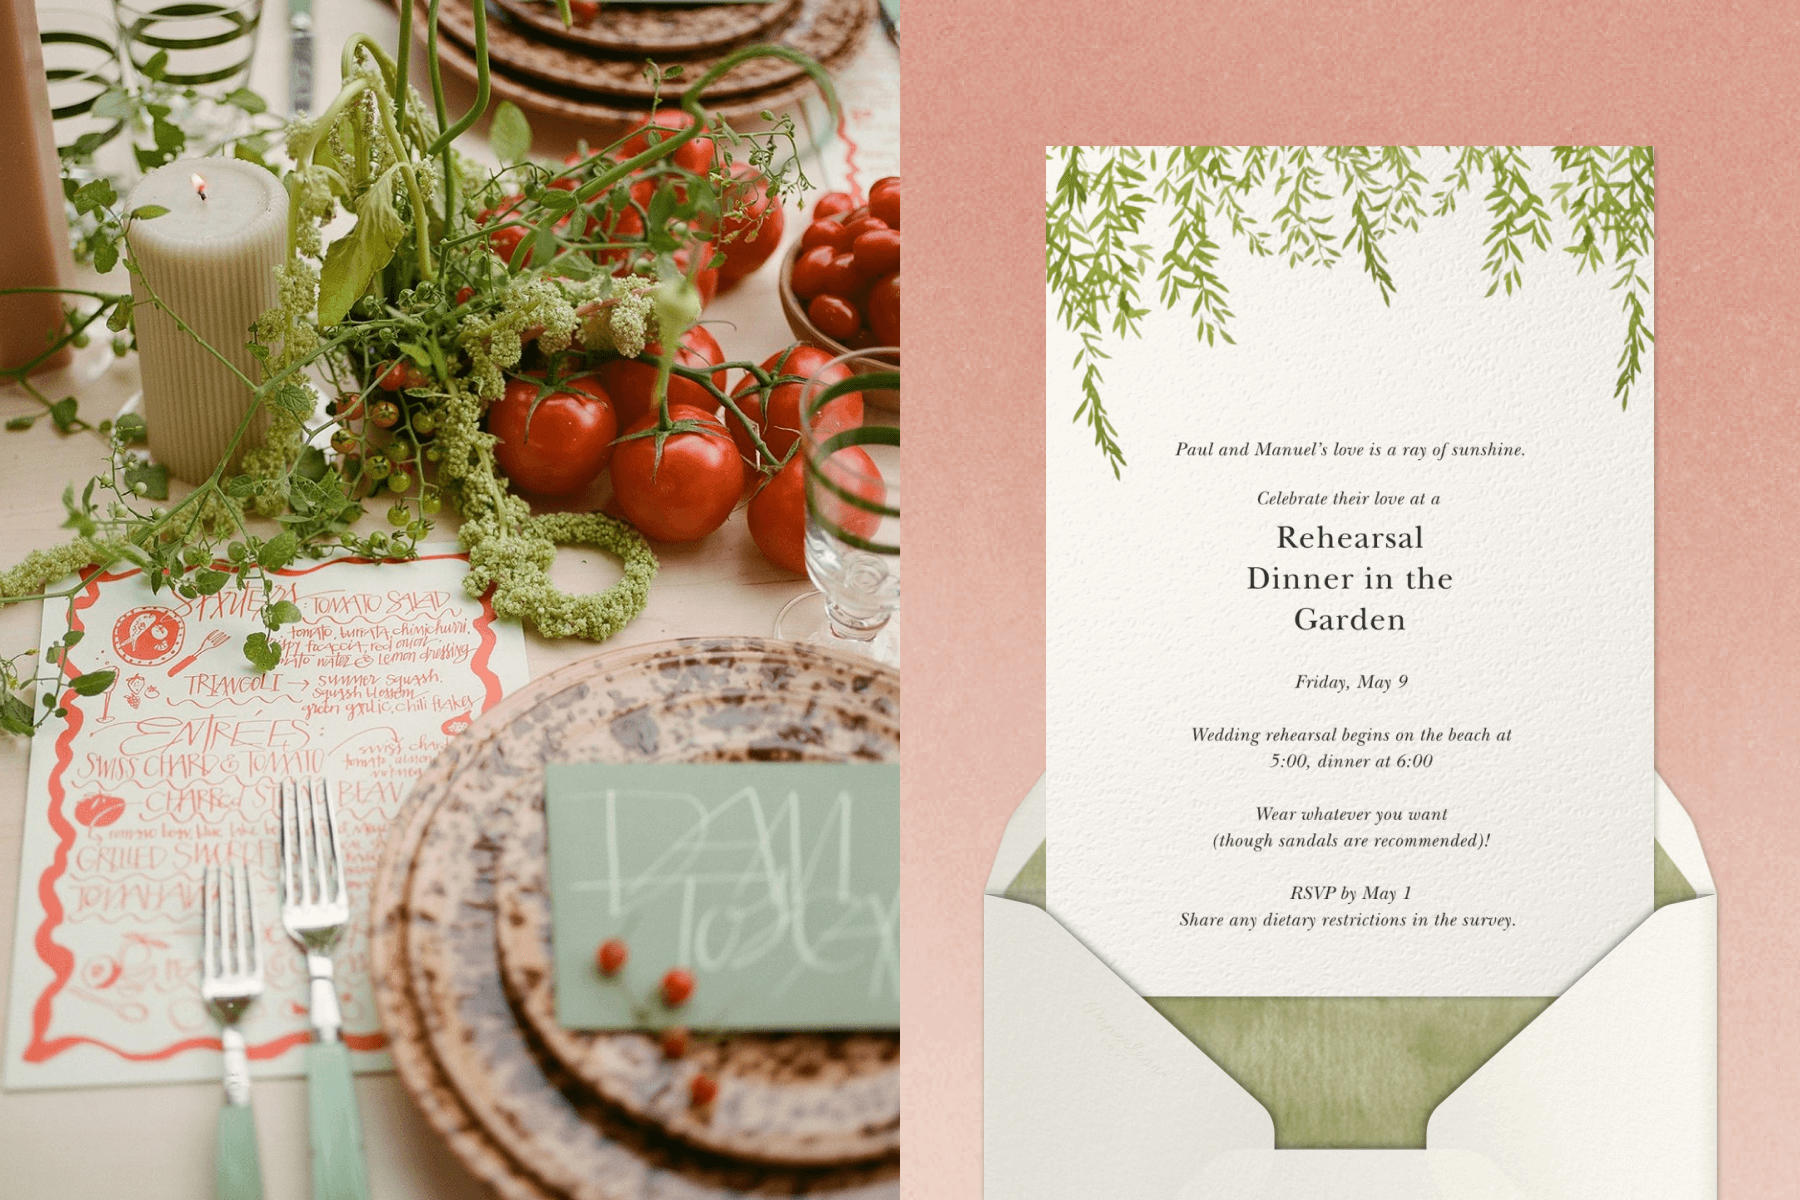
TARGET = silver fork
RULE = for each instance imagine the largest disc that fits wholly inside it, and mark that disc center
(230, 982)
(315, 907)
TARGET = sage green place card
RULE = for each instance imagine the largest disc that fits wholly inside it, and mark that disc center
(775, 886)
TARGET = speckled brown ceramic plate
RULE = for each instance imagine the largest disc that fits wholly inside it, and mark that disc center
(610, 118)
(400, 1020)
(823, 29)
(796, 1098)
(436, 939)
(656, 29)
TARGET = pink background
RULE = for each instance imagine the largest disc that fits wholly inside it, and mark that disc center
(1712, 86)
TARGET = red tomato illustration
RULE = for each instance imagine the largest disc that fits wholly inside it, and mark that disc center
(99, 810)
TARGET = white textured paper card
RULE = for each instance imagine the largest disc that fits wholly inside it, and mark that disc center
(1350, 667)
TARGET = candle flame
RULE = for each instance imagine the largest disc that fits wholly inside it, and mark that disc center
(200, 186)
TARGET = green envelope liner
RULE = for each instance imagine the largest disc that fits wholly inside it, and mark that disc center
(1349, 1072)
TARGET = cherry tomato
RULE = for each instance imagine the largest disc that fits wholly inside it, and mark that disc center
(777, 513)
(674, 1041)
(884, 200)
(883, 309)
(558, 449)
(824, 233)
(400, 376)
(833, 204)
(612, 955)
(691, 491)
(703, 1089)
(677, 986)
(631, 382)
(877, 253)
(780, 426)
(584, 10)
(810, 270)
(695, 156)
(747, 240)
(835, 316)
(464, 295)
(842, 278)
(385, 414)
(855, 229)
(504, 242)
(343, 441)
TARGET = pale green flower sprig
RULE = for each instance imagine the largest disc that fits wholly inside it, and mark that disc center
(622, 319)
(496, 343)
(517, 566)
(41, 568)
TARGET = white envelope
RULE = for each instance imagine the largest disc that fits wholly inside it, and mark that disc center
(1611, 1091)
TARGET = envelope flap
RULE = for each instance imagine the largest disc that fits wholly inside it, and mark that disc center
(1023, 837)
(1089, 1091)
(1676, 834)
(1611, 1091)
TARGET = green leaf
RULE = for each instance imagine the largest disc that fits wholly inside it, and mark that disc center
(262, 653)
(278, 551)
(15, 715)
(154, 477)
(311, 464)
(208, 582)
(510, 134)
(114, 104)
(93, 683)
(154, 68)
(148, 212)
(73, 637)
(120, 316)
(247, 100)
(353, 260)
(64, 413)
(106, 257)
(24, 422)
(95, 195)
(294, 400)
(282, 612)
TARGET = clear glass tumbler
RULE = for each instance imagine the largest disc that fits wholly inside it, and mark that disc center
(852, 508)
(199, 49)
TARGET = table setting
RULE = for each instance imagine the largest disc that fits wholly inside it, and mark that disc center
(450, 610)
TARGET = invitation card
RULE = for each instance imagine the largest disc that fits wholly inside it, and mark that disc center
(176, 767)
(1350, 550)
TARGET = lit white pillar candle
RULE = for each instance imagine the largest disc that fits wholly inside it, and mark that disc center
(211, 259)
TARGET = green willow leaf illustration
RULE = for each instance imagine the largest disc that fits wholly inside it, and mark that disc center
(1096, 254)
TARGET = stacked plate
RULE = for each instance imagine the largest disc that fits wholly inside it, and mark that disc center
(594, 70)
(461, 948)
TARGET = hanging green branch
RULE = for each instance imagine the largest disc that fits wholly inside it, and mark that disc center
(1321, 204)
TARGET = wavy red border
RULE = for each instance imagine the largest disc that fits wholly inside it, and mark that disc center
(61, 960)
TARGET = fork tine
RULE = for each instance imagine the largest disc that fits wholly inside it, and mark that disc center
(340, 893)
(209, 918)
(281, 815)
(250, 930)
(239, 961)
(309, 840)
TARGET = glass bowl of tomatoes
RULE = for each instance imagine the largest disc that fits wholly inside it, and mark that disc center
(840, 281)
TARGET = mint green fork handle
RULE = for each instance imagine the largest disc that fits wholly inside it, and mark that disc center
(338, 1172)
(237, 1172)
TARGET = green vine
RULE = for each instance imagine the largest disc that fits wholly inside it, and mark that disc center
(1321, 204)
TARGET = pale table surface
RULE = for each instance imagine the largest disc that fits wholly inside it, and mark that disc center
(146, 1143)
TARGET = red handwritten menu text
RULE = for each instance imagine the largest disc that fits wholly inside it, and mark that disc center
(177, 766)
